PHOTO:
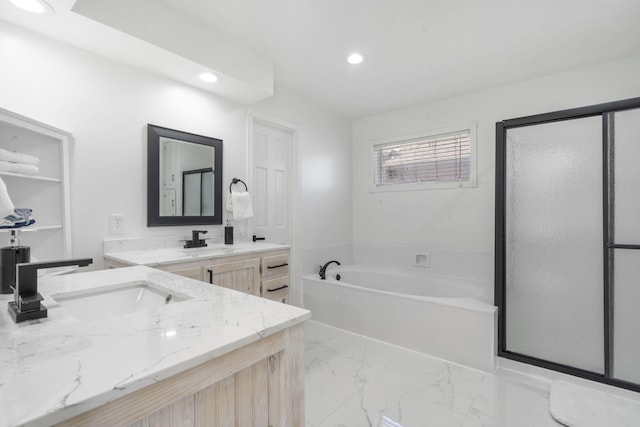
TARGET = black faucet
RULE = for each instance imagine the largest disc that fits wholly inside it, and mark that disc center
(26, 298)
(196, 241)
(323, 269)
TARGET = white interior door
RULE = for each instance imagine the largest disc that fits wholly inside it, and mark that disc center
(272, 187)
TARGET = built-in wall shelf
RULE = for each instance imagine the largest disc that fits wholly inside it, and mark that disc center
(34, 177)
(30, 229)
(46, 193)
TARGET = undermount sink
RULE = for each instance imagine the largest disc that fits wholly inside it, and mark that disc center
(116, 300)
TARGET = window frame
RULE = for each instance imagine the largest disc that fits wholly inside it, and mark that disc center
(434, 185)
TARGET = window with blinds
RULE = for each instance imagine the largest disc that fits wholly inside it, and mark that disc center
(444, 158)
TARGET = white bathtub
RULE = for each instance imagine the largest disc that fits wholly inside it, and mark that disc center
(446, 317)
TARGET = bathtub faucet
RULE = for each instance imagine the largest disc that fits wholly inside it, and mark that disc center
(323, 269)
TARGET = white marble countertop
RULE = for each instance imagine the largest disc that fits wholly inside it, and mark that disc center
(55, 368)
(163, 256)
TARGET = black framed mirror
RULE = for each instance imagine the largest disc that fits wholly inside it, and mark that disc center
(172, 156)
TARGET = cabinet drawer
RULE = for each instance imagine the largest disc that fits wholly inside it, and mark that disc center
(275, 266)
(277, 289)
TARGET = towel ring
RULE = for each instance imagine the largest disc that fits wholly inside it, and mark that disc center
(235, 181)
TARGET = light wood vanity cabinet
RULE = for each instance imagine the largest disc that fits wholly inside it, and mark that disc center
(260, 384)
(275, 276)
(237, 274)
(264, 274)
(247, 369)
(191, 272)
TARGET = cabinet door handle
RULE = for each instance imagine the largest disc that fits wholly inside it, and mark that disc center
(277, 289)
(277, 266)
(210, 276)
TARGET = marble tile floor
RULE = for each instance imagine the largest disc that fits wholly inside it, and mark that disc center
(355, 381)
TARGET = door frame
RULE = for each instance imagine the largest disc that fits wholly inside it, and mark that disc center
(294, 220)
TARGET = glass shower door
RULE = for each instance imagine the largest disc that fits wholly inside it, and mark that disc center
(553, 242)
(625, 245)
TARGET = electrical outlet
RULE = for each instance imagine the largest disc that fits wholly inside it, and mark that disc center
(116, 224)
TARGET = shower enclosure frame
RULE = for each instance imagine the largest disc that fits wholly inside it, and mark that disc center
(606, 111)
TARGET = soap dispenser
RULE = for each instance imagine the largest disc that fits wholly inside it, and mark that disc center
(11, 255)
(228, 234)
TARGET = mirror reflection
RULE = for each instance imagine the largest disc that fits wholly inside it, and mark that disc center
(184, 178)
(197, 192)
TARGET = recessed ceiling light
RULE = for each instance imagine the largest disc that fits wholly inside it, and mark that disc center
(355, 58)
(40, 7)
(208, 76)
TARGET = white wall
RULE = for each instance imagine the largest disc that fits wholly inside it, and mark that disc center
(325, 178)
(107, 105)
(463, 219)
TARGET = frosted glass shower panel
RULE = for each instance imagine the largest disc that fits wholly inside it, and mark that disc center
(627, 176)
(626, 316)
(553, 242)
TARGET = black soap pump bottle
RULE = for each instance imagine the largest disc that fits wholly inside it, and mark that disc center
(11, 255)
(228, 234)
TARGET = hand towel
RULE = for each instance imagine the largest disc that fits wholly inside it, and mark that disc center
(6, 205)
(228, 204)
(17, 157)
(21, 168)
(242, 207)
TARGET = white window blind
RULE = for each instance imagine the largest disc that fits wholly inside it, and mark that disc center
(431, 159)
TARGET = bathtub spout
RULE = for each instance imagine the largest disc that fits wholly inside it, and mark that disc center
(323, 269)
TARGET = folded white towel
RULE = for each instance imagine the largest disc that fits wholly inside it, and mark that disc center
(6, 205)
(17, 157)
(242, 207)
(19, 168)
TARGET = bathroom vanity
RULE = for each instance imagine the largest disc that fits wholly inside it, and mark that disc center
(257, 268)
(192, 354)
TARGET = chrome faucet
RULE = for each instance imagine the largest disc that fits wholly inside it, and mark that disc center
(26, 298)
(323, 269)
